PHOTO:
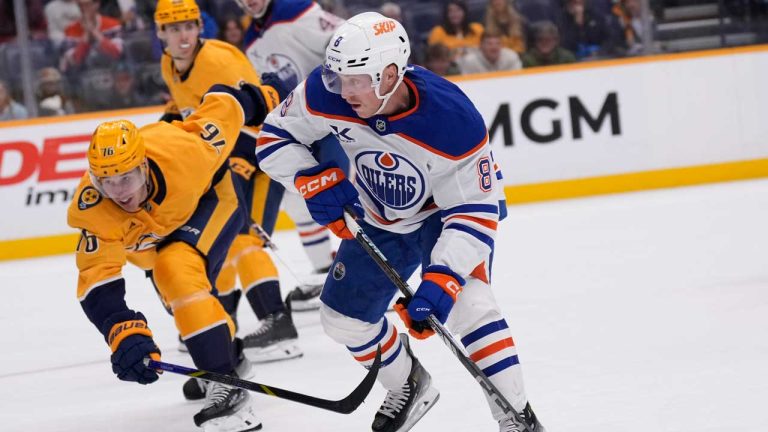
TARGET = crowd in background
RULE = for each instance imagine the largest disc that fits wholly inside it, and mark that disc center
(90, 55)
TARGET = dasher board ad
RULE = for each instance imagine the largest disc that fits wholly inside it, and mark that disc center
(546, 125)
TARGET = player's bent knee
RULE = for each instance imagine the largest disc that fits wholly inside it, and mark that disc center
(199, 312)
(181, 278)
(180, 271)
(346, 330)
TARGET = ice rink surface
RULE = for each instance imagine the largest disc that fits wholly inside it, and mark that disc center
(634, 312)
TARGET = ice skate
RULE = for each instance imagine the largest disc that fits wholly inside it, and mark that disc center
(510, 425)
(404, 407)
(227, 409)
(274, 340)
(194, 388)
(306, 296)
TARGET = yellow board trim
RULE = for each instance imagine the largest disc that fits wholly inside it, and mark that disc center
(521, 194)
(631, 182)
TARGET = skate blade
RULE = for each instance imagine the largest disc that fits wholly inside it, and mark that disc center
(420, 407)
(285, 350)
(244, 420)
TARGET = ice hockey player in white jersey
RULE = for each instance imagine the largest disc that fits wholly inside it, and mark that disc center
(288, 37)
(430, 194)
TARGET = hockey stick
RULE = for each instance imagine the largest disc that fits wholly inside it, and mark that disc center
(490, 389)
(267, 239)
(343, 406)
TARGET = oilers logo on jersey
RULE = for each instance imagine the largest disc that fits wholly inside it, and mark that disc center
(285, 68)
(391, 178)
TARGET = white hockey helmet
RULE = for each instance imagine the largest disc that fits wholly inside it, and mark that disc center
(365, 45)
(245, 5)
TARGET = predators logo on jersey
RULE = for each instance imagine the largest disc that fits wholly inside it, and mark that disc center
(88, 198)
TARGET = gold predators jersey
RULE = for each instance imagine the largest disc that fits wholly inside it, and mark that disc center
(216, 62)
(182, 160)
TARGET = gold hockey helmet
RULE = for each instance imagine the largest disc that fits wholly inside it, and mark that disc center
(116, 148)
(173, 11)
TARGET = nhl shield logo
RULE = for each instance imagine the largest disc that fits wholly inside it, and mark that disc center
(381, 125)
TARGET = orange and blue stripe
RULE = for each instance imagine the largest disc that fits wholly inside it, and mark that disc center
(391, 346)
(491, 347)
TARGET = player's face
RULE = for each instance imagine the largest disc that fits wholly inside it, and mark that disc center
(128, 190)
(181, 39)
(356, 89)
(359, 93)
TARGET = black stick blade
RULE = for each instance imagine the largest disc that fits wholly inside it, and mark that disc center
(343, 406)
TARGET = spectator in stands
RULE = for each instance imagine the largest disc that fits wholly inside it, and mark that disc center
(60, 14)
(334, 7)
(51, 100)
(456, 32)
(440, 61)
(627, 26)
(232, 31)
(35, 20)
(392, 10)
(491, 57)
(501, 17)
(546, 49)
(9, 108)
(126, 95)
(133, 14)
(583, 30)
(93, 41)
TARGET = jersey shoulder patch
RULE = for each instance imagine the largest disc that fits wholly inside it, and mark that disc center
(89, 197)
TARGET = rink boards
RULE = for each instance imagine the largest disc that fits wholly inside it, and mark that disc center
(557, 132)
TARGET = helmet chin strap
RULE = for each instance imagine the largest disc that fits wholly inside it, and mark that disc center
(385, 98)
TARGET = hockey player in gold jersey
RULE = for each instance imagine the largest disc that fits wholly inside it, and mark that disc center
(163, 197)
(190, 65)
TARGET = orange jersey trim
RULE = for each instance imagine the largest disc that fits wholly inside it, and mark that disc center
(445, 155)
(484, 222)
(415, 90)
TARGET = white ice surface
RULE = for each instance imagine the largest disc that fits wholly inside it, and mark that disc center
(635, 312)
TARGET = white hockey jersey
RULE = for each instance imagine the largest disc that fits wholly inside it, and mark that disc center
(435, 157)
(292, 40)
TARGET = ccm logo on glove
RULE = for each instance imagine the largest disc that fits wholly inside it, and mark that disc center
(310, 186)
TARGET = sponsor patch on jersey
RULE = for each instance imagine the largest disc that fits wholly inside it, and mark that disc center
(391, 178)
(339, 270)
(88, 198)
